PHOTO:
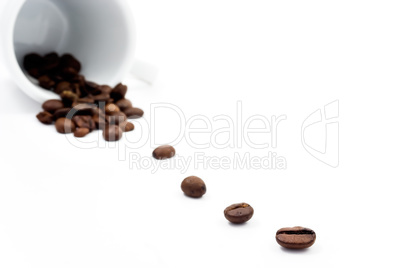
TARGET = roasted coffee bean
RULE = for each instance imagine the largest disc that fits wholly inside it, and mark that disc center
(68, 60)
(69, 73)
(51, 62)
(83, 108)
(92, 88)
(116, 118)
(163, 152)
(124, 104)
(105, 89)
(63, 112)
(103, 97)
(86, 100)
(112, 133)
(193, 186)
(65, 125)
(46, 82)
(295, 237)
(52, 105)
(33, 61)
(118, 92)
(68, 98)
(81, 132)
(84, 121)
(111, 108)
(100, 120)
(63, 86)
(239, 213)
(34, 72)
(45, 117)
(127, 126)
(133, 112)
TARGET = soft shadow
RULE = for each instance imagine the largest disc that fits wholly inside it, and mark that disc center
(237, 225)
(192, 197)
(294, 251)
(16, 102)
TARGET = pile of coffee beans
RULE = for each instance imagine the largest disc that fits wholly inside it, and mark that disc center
(84, 105)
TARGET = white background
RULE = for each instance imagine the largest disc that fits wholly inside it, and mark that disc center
(62, 206)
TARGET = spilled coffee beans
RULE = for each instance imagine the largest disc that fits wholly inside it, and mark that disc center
(84, 105)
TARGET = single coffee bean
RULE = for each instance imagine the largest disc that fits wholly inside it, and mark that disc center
(118, 92)
(81, 132)
(33, 61)
(51, 62)
(63, 86)
(92, 88)
(193, 186)
(127, 126)
(134, 113)
(82, 108)
(86, 100)
(112, 133)
(116, 118)
(52, 105)
(68, 98)
(124, 104)
(45, 117)
(295, 237)
(46, 82)
(111, 108)
(163, 152)
(103, 97)
(68, 60)
(105, 89)
(239, 213)
(100, 120)
(63, 112)
(65, 125)
(84, 121)
(69, 73)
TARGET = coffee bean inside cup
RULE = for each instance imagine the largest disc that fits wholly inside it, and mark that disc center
(295, 237)
(164, 152)
(238, 213)
(84, 105)
(193, 186)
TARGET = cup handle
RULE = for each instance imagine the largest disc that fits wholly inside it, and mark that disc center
(144, 71)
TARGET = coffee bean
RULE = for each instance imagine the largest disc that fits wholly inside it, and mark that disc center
(69, 73)
(105, 89)
(163, 152)
(52, 105)
(103, 97)
(51, 62)
(127, 126)
(86, 100)
(68, 98)
(112, 133)
(83, 108)
(81, 132)
(68, 60)
(63, 86)
(111, 108)
(84, 121)
(134, 113)
(193, 186)
(33, 61)
(65, 125)
(63, 112)
(45, 82)
(118, 92)
(116, 118)
(100, 120)
(92, 88)
(45, 117)
(295, 237)
(239, 213)
(124, 104)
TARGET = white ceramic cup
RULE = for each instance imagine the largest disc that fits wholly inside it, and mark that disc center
(99, 33)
